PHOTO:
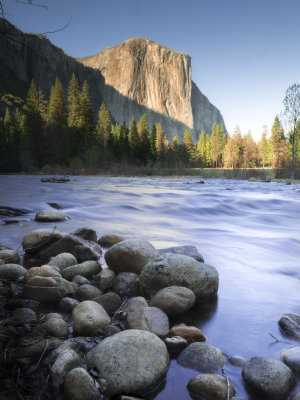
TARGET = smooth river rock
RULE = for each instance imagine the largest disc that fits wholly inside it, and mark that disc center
(150, 319)
(39, 239)
(8, 256)
(269, 378)
(110, 239)
(130, 255)
(105, 279)
(55, 327)
(24, 315)
(79, 385)
(211, 387)
(291, 357)
(65, 362)
(50, 216)
(202, 357)
(126, 284)
(86, 234)
(290, 324)
(109, 301)
(87, 292)
(173, 300)
(44, 270)
(132, 361)
(48, 289)
(86, 269)
(12, 272)
(81, 249)
(190, 333)
(63, 260)
(89, 318)
(186, 250)
(179, 270)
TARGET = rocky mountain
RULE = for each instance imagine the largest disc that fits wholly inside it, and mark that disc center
(136, 77)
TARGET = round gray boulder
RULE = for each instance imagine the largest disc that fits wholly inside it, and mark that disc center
(110, 239)
(89, 318)
(150, 319)
(65, 362)
(179, 270)
(67, 304)
(79, 385)
(130, 255)
(87, 292)
(268, 378)
(290, 324)
(131, 361)
(39, 239)
(202, 357)
(24, 315)
(86, 269)
(8, 256)
(291, 357)
(55, 327)
(127, 284)
(211, 387)
(50, 216)
(106, 279)
(173, 300)
(63, 260)
(12, 272)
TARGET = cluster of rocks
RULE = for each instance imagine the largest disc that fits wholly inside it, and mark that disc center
(112, 331)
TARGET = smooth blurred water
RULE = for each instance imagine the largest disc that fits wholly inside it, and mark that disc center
(249, 231)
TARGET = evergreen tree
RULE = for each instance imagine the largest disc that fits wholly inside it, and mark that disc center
(278, 145)
(104, 127)
(189, 146)
(201, 149)
(160, 145)
(86, 112)
(134, 140)
(208, 151)
(153, 143)
(263, 148)
(231, 153)
(144, 142)
(74, 103)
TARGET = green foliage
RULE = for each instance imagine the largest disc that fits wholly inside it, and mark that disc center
(74, 103)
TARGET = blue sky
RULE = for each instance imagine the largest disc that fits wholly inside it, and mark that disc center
(245, 53)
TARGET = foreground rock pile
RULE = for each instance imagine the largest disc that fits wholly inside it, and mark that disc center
(111, 332)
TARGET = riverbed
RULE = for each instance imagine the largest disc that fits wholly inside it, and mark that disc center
(250, 231)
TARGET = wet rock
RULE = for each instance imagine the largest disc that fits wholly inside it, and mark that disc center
(110, 239)
(86, 234)
(135, 304)
(179, 270)
(12, 272)
(50, 216)
(63, 260)
(55, 205)
(110, 330)
(44, 270)
(24, 315)
(6, 211)
(81, 280)
(64, 363)
(150, 319)
(106, 279)
(126, 284)
(39, 239)
(67, 304)
(291, 357)
(9, 256)
(86, 269)
(175, 343)
(237, 361)
(131, 361)
(81, 249)
(46, 289)
(173, 300)
(130, 255)
(186, 250)
(79, 385)
(202, 357)
(190, 333)
(290, 324)
(34, 350)
(52, 315)
(87, 292)
(109, 301)
(268, 378)
(89, 318)
(211, 387)
(55, 327)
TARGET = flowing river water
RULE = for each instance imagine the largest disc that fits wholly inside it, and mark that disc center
(250, 231)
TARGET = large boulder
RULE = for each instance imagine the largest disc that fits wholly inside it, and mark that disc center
(268, 378)
(89, 318)
(179, 270)
(81, 249)
(86, 269)
(290, 324)
(126, 284)
(12, 272)
(62, 261)
(173, 300)
(211, 387)
(291, 357)
(150, 319)
(8, 256)
(50, 216)
(202, 357)
(39, 239)
(186, 250)
(87, 292)
(130, 255)
(48, 289)
(86, 234)
(131, 361)
(105, 279)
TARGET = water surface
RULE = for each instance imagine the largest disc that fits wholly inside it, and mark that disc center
(249, 231)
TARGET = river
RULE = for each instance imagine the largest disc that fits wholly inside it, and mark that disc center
(250, 231)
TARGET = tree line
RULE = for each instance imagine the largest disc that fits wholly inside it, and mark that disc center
(37, 131)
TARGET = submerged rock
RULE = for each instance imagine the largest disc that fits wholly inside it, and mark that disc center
(202, 357)
(179, 270)
(173, 300)
(131, 361)
(50, 216)
(268, 378)
(130, 255)
(211, 387)
(290, 324)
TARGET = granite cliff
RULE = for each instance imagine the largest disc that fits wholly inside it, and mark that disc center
(136, 77)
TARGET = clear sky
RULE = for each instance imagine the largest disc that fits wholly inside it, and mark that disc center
(245, 53)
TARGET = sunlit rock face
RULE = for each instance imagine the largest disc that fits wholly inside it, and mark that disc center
(134, 78)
